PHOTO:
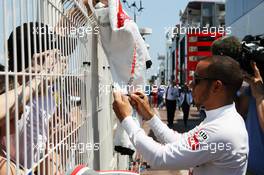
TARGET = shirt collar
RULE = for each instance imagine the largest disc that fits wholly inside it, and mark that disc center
(216, 113)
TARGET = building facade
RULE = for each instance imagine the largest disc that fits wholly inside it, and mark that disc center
(246, 19)
(201, 23)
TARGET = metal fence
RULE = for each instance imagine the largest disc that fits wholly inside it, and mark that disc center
(53, 116)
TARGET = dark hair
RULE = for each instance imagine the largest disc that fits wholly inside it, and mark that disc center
(230, 46)
(2, 68)
(227, 45)
(44, 40)
(2, 81)
(31, 29)
(227, 70)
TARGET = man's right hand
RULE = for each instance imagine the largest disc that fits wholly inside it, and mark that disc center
(256, 83)
(140, 102)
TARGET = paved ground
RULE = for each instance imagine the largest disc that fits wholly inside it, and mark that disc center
(194, 120)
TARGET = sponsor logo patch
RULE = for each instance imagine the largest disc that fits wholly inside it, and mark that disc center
(197, 138)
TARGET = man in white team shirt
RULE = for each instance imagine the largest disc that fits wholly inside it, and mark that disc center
(218, 146)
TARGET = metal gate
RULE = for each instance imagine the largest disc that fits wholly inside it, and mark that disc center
(53, 116)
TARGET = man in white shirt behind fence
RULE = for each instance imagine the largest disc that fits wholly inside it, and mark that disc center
(219, 145)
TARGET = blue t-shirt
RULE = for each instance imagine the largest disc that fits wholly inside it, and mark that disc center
(256, 140)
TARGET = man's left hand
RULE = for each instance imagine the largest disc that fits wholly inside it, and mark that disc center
(121, 106)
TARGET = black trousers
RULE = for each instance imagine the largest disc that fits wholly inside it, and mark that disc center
(171, 107)
(185, 110)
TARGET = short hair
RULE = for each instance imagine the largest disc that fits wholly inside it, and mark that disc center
(227, 70)
(227, 45)
(32, 29)
(2, 81)
(43, 41)
(2, 68)
(231, 46)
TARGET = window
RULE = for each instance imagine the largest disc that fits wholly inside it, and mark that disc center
(193, 49)
(206, 39)
(193, 39)
(204, 48)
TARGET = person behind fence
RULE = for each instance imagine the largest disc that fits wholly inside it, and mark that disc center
(219, 145)
(251, 103)
(37, 147)
(185, 103)
(11, 105)
(171, 96)
(36, 113)
(29, 87)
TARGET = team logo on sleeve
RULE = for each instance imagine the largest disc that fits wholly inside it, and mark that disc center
(197, 138)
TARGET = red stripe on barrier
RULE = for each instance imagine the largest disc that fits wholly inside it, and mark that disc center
(77, 169)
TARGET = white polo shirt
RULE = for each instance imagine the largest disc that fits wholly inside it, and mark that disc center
(218, 146)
